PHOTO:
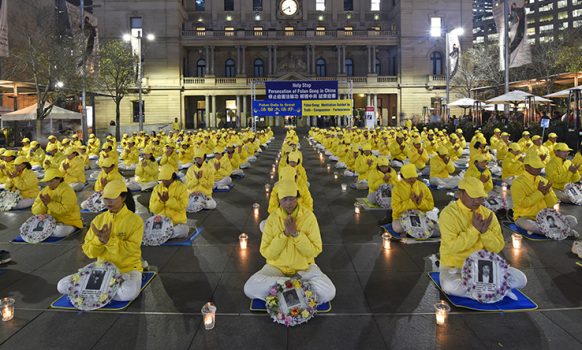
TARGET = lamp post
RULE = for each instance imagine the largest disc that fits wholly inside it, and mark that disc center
(139, 51)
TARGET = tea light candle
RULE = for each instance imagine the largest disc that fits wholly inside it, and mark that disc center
(335, 176)
(209, 315)
(357, 209)
(441, 312)
(504, 187)
(243, 240)
(557, 207)
(386, 240)
(516, 240)
(267, 187)
(328, 167)
(256, 207)
(272, 176)
(344, 187)
(7, 305)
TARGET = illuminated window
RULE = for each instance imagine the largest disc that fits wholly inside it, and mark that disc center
(320, 31)
(258, 31)
(200, 31)
(228, 31)
(375, 5)
(436, 24)
(199, 5)
(562, 3)
(319, 5)
(348, 31)
(289, 31)
(257, 5)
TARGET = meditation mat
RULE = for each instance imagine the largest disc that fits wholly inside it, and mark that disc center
(366, 205)
(50, 239)
(92, 212)
(523, 302)
(214, 190)
(258, 305)
(184, 241)
(436, 188)
(532, 237)
(238, 176)
(579, 263)
(398, 236)
(63, 302)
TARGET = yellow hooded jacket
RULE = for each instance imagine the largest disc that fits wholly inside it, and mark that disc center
(440, 170)
(376, 178)
(26, 182)
(474, 172)
(401, 198)
(75, 172)
(558, 173)
(527, 200)
(110, 176)
(511, 166)
(203, 184)
(63, 205)
(147, 173)
(175, 207)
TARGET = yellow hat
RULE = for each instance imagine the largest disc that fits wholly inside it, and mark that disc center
(552, 135)
(355, 148)
(287, 173)
(473, 187)
(294, 156)
(287, 188)
(534, 161)
(561, 146)
(481, 157)
(51, 173)
(51, 147)
(514, 146)
(20, 160)
(26, 139)
(70, 151)
(92, 136)
(367, 147)
(383, 161)
(454, 137)
(107, 162)
(504, 134)
(9, 153)
(442, 150)
(497, 130)
(199, 153)
(536, 137)
(113, 189)
(148, 150)
(525, 133)
(417, 140)
(459, 131)
(166, 172)
(107, 145)
(33, 143)
(408, 171)
(52, 137)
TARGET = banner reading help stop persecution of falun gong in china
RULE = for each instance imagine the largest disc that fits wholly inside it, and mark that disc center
(313, 108)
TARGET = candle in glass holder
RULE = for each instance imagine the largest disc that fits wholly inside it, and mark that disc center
(386, 240)
(516, 240)
(243, 240)
(328, 167)
(441, 312)
(7, 307)
(209, 315)
(267, 187)
(256, 207)
(357, 208)
(557, 207)
(344, 187)
(504, 187)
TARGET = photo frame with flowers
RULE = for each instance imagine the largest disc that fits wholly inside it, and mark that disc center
(486, 277)
(291, 302)
(37, 228)
(94, 285)
(158, 229)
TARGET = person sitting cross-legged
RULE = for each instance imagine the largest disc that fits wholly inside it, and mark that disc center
(170, 199)
(562, 171)
(290, 243)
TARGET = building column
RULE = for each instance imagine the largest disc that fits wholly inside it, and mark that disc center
(374, 60)
(339, 59)
(238, 60)
(206, 111)
(344, 59)
(207, 57)
(243, 121)
(313, 59)
(308, 58)
(213, 119)
(274, 59)
(269, 62)
(238, 111)
(375, 101)
(369, 61)
(211, 63)
(368, 100)
(243, 68)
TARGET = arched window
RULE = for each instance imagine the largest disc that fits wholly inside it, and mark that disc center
(259, 68)
(349, 67)
(320, 67)
(201, 67)
(229, 70)
(437, 63)
(378, 67)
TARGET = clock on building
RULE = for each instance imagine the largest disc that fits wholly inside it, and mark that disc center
(289, 8)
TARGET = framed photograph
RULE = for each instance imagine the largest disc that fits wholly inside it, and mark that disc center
(485, 276)
(416, 224)
(94, 285)
(574, 192)
(157, 230)
(37, 228)
(291, 298)
(97, 281)
(553, 224)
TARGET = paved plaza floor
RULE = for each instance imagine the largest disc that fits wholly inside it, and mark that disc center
(384, 298)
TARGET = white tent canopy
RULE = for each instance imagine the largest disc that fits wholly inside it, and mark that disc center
(563, 93)
(463, 102)
(29, 113)
(517, 96)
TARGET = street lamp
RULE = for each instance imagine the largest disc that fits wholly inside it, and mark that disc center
(138, 37)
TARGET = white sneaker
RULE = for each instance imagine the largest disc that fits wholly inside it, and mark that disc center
(577, 248)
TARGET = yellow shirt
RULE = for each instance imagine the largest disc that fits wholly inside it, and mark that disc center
(291, 254)
(224, 167)
(203, 184)
(558, 173)
(362, 167)
(527, 200)
(75, 172)
(110, 176)
(396, 152)
(36, 157)
(418, 159)
(124, 246)
(305, 200)
(459, 238)
(26, 182)
(186, 155)
(511, 166)
(172, 160)
(438, 168)
(62, 206)
(146, 173)
(376, 178)
(175, 207)
(130, 156)
(474, 172)
(401, 198)
(53, 161)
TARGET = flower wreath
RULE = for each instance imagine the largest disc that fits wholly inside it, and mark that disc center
(30, 232)
(489, 292)
(384, 196)
(95, 203)
(196, 203)
(574, 192)
(421, 228)
(86, 300)
(9, 199)
(557, 228)
(157, 230)
(495, 203)
(296, 315)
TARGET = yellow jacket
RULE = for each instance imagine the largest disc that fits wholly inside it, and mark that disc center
(36, 157)
(305, 200)
(527, 200)
(511, 166)
(130, 156)
(186, 155)
(401, 201)
(502, 150)
(26, 182)
(175, 207)
(111, 154)
(63, 205)
(203, 184)
(75, 172)
(148, 173)
(224, 167)
(438, 168)
(93, 146)
(234, 160)
(291, 254)
(474, 172)
(362, 167)
(418, 159)
(540, 151)
(5, 173)
(376, 179)
(577, 160)
(124, 246)
(53, 161)
(558, 174)
(396, 152)
(172, 160)
(112, 175)
(459, 238)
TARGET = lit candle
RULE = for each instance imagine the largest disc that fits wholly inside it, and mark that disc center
(256, 207)
(504, 187)
(335, 176)
(344, 187)
(272, 176)
(328, 167)
(209, 315)
(243, 240)
(267, 187)
(357, 209)
(557, 207)
(516, 240)
(7, 305)
(386, 240)
(441, 311)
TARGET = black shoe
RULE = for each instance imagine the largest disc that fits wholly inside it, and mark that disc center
(4, 257)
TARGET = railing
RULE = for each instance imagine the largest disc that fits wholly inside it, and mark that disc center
(225, 81)
(262, 80)
(189, 80)
(437, 77)
(292, 34)
(387, 79)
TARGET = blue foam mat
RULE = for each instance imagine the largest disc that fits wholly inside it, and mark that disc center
(63, 301)
(51, 239)
(579, 263)
(260, 305)
(223, 190)
(533, 237)
(388, 227)
(185, 242)
(522, 303)
(92, 212)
